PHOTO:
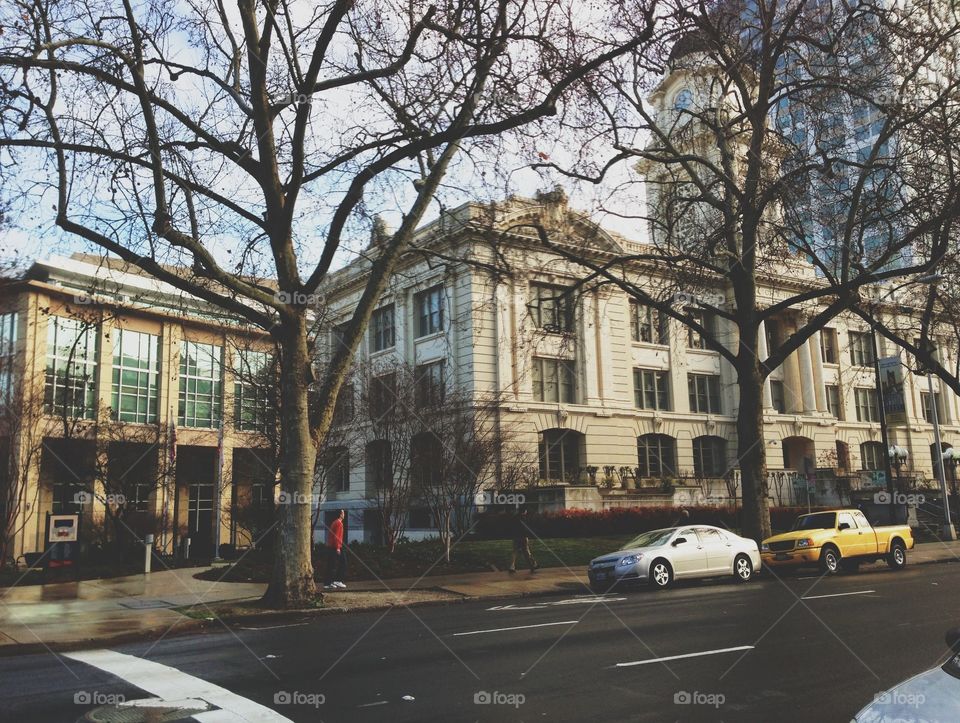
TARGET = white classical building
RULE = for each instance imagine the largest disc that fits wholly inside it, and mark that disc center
(610, 403)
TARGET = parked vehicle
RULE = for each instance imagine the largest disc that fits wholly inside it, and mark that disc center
(662, 556)
(835, 540)
(932, 696)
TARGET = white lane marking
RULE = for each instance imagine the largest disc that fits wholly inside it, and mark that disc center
(371, 705)
(837, 594)
(572, 601)
(172, 684)
(276, 627)
(518, 627)
(685, 655)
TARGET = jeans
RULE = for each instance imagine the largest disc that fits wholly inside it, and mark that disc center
(336, 565)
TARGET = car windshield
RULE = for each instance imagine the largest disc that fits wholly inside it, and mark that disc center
(649, 539)
(818, 521)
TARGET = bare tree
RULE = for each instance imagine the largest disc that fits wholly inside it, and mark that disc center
(22, 439)
(785, 135)
(310, 116)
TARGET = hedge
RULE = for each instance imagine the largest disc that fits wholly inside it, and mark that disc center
(624, 520)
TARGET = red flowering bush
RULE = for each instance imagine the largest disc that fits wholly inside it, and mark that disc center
(623, 520)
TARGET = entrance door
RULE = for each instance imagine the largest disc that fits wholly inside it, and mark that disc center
(200, 520)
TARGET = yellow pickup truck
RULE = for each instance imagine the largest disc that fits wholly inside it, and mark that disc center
(837, 540)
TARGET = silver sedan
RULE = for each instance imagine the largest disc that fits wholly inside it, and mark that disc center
(662, 556)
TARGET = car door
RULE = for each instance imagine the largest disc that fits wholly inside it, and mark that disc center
(719, 549)
(850, 539)
(687, 556)
(868, 537)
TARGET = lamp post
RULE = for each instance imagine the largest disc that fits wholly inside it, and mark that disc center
(928, 279)
(948, 531)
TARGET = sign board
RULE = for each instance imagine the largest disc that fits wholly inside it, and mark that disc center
(891, 390)
(63, 528)
(876, 478)
(63, 541)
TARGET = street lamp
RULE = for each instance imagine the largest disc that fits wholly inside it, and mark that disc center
(898, 456)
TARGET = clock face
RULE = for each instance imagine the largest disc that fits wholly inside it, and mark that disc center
(683, 100)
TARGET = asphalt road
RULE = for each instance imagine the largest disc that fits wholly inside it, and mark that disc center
(800, 649)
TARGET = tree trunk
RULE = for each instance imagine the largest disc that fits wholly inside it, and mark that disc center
(292, 583)
(752, 452)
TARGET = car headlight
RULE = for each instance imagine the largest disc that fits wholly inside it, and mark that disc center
(629, 560)
(764, 547)
(807, 542)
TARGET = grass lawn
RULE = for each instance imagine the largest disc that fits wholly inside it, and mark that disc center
(412, 559)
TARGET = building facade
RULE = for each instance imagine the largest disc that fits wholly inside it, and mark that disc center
(133, 405)
(609, 402)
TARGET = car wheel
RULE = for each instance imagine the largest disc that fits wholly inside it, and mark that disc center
(742, 569)
(897, 559)
(850, 565)
(661, 575)
(830, 561)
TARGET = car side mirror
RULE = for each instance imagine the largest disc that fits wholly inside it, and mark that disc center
(843, 526)
(952, 639)
(679, 541)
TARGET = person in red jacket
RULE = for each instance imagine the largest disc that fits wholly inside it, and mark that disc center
(336, 555)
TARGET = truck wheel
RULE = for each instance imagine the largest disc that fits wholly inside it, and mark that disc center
(830, 561)
(742, 569)
(850, 565)
(661, 575)
(897, 559)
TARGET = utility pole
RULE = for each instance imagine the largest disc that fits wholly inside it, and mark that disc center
(888, 470)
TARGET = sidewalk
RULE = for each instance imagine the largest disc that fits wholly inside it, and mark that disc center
(70, 614)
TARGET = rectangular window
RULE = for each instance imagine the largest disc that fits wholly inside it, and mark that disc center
(136, 372)
(828, 345)
(651, 389)
(867, 408)
(382, 330)
(253, 382)
(927, 410)
(429, 387)
(777, 396)
(554, 380)
(343, 411)
(8, 355)
(704, 391)
(71, 374)
(383, 395)
(696, 340)
(337, 467)
(551, 308)
(647, 324)
(861, 348)
(201, 386)
(428, 306)
(833, 401)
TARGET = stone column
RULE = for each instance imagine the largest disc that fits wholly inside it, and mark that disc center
(818, 380)
(762, 350)
(807, 382)
(793, 388)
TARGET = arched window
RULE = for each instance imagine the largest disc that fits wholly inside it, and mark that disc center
(560, 454)
(871, 456)
(656, 455)
(710, 456)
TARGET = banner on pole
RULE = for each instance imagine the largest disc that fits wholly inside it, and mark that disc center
(891, 390)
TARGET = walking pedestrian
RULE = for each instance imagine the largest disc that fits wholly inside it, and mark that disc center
(521, 543)
(336, 555)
